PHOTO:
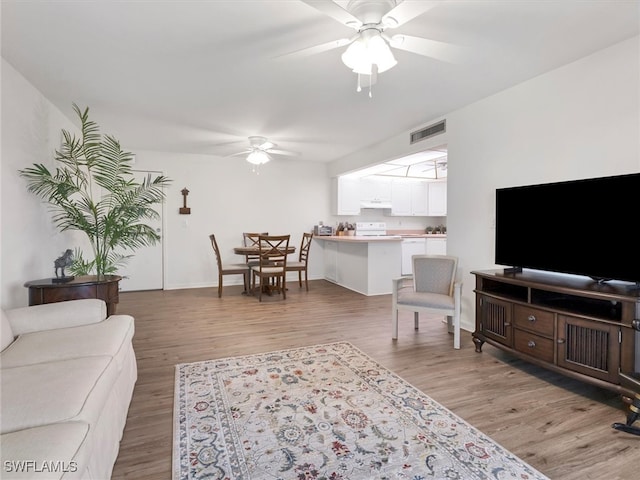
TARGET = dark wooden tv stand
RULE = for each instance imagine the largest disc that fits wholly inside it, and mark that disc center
(572, 325)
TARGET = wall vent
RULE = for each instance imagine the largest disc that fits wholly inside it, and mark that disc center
(430, 131)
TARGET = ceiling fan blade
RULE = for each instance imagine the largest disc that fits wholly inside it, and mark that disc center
(245, 152)
(445, 52)
(283, 152)
(407, 11)
(335, 11)
(323, 47)
(267, 146)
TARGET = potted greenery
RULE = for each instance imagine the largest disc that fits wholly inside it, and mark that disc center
(93, 191)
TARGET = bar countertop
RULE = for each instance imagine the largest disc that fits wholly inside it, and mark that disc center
(380, 238)
(360, 238)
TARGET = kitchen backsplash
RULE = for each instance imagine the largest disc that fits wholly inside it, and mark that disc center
(393, 223)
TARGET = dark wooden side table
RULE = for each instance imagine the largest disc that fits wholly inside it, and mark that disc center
(46, 291)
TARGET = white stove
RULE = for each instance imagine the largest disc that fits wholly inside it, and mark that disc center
(371, 229)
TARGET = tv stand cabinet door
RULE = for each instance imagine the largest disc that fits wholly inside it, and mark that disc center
(495, 320)
(589, 347)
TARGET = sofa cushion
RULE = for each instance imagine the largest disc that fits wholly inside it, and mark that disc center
(61, 391)
(104, 338)
(49, 316)
(6, 333)
(54, 451)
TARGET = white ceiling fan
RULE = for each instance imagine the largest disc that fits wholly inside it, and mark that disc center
(369, 51)
(260, 151)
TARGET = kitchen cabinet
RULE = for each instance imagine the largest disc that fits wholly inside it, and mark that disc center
(346, 194)
(570, 325)
(436, 246)
(375, 190)
(420, 199)
(437, 202)
(400, 198)
(409, 198)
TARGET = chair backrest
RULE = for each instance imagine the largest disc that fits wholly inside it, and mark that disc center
(251, 239)
(434, 273)
(305, 245)
(216, 249)
(273, 249)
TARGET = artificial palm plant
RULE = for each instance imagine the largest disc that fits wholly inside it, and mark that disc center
(93, 191)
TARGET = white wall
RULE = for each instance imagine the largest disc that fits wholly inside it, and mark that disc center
(225, 198)
(31, 128)
(581, 120)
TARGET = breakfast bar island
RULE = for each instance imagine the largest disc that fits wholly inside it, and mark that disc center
(364, 264)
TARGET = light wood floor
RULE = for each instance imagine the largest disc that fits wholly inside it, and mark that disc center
(560, 426)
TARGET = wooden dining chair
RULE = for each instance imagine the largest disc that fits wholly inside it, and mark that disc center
(250, 239)
(272, 265)
(303, 257)
(228, 269)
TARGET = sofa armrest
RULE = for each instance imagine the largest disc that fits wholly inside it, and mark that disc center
(50, 316)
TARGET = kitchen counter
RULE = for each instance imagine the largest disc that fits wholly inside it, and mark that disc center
(360, 238)
(360, 263)
(392, 237)
(415, 233)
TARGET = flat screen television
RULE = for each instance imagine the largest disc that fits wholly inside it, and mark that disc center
(584, 227)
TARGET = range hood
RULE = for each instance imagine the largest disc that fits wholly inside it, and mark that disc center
(375, 204)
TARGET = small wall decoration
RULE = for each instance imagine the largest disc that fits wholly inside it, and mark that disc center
(185, 210)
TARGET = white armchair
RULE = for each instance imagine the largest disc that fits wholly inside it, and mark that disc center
(431, 289)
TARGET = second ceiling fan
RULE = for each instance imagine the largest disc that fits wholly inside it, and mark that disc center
(260, 151)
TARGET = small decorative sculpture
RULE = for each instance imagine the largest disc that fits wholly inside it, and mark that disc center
(62, 262)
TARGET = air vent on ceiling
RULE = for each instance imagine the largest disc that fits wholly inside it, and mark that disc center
(427, 132)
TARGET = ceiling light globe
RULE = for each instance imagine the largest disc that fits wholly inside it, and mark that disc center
(386, 61)
(354, 54)
(368, 50)
(257, 158)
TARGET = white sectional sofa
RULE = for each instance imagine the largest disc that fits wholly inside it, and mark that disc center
(67, 378)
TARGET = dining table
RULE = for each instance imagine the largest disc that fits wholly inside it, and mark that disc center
(253, 250)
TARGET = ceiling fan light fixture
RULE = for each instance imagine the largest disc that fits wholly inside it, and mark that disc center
(368, 50)
(258, 157)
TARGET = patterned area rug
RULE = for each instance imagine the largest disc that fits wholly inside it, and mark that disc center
(325, 412)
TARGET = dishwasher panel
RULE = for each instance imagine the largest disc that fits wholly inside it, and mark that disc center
(411, 247)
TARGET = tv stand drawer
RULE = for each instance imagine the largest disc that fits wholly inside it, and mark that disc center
(533, 319)
(534, 345)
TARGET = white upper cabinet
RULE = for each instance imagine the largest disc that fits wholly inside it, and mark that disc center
(406, 197)
(347, 196)
(419, 199)
(409, 198)
(375, 190)
(437, 199)
(401, 198)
